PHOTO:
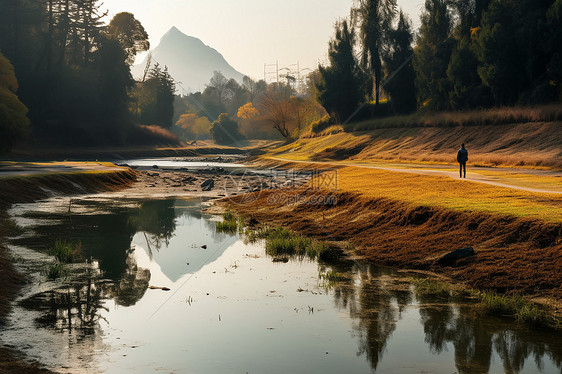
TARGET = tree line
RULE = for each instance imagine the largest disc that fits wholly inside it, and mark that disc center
(466, 54)
(72, 72)
(230, 112)
(65, 74)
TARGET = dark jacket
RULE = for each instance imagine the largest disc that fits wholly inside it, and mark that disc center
(462, 155)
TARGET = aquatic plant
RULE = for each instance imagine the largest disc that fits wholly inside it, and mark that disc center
(280, 241)
(501, 304)
(66, 252)
(227, 226)
(431, 287)
(230, 223)
(228, 216)
(333, 276)
(55, 270)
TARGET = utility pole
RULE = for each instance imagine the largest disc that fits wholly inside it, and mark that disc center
(267, 73)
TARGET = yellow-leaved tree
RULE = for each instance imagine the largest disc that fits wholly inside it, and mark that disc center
(14, 123)
(192, 127)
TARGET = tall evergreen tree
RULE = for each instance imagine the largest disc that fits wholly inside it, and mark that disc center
(467, 90)
(375, 22)
(432, 54)
(339, 87)
(154, 98)
(400, 71)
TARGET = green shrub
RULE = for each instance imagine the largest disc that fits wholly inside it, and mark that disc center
(322, 124)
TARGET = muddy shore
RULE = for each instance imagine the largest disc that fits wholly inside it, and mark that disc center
(140, 183)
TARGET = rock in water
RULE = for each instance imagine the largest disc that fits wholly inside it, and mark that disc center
(452, 257)
(208, 185)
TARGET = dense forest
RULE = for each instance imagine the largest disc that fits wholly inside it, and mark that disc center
(466, 54)
(73, 73)
(65, 73)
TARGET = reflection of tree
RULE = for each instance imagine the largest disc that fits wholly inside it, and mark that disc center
(133, 284)
(376, 302)
(156, 219)
(475, 339)
(378, 314)
(375, 298)
(73, 307)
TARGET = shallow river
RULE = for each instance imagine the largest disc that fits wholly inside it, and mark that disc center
(230, 308)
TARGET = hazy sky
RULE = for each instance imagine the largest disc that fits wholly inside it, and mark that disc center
(250, 33)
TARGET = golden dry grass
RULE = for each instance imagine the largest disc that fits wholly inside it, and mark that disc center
(444, 192)
(532, 144)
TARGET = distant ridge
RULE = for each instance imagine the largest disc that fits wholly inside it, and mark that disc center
(189, 61)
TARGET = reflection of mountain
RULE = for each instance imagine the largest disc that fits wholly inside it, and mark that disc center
(178, 252)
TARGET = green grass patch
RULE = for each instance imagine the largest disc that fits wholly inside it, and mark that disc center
(227, 226)
(520, 308)
(431, 287)
(230, 223)
(333, 276)
(283, 242)
(66, 252)
(55, 271)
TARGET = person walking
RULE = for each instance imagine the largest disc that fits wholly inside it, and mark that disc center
(462, 158)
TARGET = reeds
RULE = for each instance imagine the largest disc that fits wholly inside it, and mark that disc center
(66, 252)
(520, 308)
(281, 242)
(431, 287)
(507, 305)
(55, 270)
(230, 223)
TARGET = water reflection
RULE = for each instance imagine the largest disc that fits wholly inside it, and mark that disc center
(133, 284)
(156, 220)
(74, 306)
(375, 298)
(162, 241)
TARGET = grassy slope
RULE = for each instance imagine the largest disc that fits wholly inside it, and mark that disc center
(409, 220)
(533, 144)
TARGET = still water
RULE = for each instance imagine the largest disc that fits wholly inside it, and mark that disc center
(230, 308)
(174, 163)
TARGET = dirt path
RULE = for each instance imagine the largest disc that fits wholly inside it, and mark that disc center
(531, 180)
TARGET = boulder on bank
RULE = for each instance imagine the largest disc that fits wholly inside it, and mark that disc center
(452, 257)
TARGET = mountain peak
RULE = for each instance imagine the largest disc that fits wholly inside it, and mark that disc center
(190, 62)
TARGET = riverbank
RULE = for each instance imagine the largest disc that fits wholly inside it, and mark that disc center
(26, 183)
(203, 148)
(412, 221)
